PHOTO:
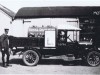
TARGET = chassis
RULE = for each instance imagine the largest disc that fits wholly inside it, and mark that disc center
(33, 50)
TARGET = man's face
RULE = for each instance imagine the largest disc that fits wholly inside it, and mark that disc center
(6, 31)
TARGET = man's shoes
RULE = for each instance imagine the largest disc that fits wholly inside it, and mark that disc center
(4, 66)
(9, 65)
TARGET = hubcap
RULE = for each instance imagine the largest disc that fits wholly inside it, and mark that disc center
(30, 57)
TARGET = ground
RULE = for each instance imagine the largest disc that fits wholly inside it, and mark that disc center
(47, 66)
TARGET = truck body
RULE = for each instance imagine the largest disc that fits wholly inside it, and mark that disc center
(52, 41)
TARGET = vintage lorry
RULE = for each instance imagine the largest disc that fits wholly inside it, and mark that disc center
(54, 41)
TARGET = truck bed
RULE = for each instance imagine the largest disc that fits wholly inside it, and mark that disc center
(26, 42)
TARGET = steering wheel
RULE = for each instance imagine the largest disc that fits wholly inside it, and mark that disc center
(69, 38)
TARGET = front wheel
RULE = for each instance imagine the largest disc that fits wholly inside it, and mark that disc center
(93, 58)
(30, 58)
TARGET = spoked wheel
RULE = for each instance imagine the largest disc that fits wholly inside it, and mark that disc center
(30, 58)
(93, 58)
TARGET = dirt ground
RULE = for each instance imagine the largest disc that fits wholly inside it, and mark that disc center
(47, 66)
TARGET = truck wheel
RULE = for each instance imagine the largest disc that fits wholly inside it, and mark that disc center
(30, 58)
(93, 58)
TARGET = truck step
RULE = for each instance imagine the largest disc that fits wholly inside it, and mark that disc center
(62, 57)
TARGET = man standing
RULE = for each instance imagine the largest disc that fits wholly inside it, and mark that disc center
(5, 48)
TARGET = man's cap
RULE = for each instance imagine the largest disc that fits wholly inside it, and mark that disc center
(6, 29)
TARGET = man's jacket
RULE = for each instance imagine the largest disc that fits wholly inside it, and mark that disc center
(4, 41)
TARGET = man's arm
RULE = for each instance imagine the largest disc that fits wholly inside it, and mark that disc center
(1, 41)
(2, 38)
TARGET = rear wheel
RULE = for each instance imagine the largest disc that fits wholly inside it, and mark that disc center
(93, 58)
(30, 58)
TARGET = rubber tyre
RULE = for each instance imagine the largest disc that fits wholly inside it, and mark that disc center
(93, 58)
(30, 58)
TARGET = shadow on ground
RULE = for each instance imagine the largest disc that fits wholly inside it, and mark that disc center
(61, 62)
(17, 61)
(51, 62)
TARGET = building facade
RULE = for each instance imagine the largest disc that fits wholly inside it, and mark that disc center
(86, 18)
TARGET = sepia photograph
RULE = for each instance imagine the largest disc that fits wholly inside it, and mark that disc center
(50, 37)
